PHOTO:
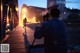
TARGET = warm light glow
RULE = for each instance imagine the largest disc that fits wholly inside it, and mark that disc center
(7, 17)
(34, 19)
(7, 20)
(20, 22)
(24, 14)
(31, 20)
(8, 24)
(7, 30)
(16, 9)
(1, 7)
(24, 10)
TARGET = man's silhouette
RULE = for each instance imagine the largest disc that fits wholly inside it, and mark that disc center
(24, 22)
(54, 34)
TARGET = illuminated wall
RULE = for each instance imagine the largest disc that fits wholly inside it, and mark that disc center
(33, 14)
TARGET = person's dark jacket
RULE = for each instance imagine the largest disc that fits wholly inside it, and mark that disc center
(54, 35)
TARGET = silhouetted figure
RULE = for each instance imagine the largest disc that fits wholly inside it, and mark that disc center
(24, 23)
(54, 34)
(46, 17)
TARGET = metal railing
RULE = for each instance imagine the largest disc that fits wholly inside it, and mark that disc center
(73, 34)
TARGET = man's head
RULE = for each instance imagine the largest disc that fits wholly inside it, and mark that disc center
(25, 17)
(54, 12)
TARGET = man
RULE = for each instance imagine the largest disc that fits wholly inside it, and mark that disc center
(54, 34)
(46, 17)
(24, 22)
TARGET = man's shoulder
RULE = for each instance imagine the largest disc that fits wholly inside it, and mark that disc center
(50, 21)
(46, 23)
